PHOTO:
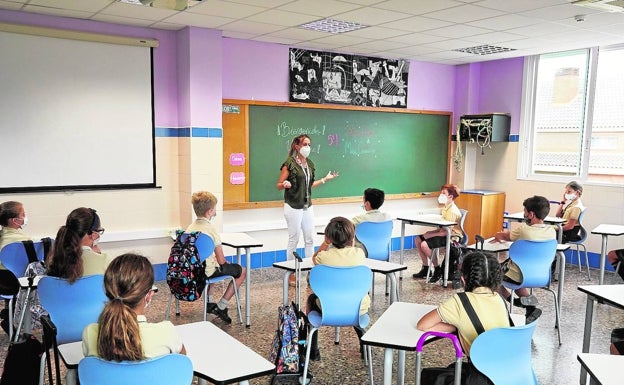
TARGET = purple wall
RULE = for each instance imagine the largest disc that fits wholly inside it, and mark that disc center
(431, 86)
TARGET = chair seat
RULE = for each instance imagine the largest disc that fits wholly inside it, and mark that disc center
(315, 319)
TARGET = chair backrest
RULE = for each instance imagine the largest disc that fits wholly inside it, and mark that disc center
(513, 366)
(464, 239)
(376, 237)
(205, 245)
(14, 257)
(170, 369)
(583, 231)
(534, 258)
(72, 306)
(340, 290)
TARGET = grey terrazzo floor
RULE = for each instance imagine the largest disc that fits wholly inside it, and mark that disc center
(341, 364)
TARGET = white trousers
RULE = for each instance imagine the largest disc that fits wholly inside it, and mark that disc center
(299, 220)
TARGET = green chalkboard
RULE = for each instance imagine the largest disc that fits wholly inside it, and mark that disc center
(398, 152)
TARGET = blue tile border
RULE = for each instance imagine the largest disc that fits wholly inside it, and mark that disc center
(187, 132)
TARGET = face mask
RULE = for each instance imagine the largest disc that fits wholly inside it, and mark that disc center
(305, 151)
(96, 241)
(570, 197)
(442, 199)
(527, 220)
(25, 222)
(147, 303)
(363, 207)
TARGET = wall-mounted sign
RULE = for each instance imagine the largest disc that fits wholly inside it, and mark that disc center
(237, 178)
(237, 159)
(231, 109)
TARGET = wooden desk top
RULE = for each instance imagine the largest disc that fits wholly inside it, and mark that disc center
(603, 367)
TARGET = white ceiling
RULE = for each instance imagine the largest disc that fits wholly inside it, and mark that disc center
(423, 30)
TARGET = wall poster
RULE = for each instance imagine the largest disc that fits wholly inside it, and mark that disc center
(334, 78)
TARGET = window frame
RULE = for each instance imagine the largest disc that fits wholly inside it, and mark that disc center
(527, 117)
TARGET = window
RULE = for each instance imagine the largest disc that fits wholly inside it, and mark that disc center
(573, 120)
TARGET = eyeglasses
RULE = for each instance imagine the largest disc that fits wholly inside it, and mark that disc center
(99, 231)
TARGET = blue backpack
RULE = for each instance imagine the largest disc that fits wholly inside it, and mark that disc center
(186, 274)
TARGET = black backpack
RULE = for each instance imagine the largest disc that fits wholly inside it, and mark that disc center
(21, 365)
(186, 274)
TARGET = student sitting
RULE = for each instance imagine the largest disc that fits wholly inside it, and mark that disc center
(122, 332)
(205, 207)
(340, 234)
(373, 199)
(570, 209)
(614, 257)
(536, 209)
(481, 275)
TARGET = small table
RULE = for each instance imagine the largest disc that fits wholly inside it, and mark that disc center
(602, 368)
(430, 220)
(396, 329)
(241, 241)
(605, 230)
(519, 217)
(211, 351)
(612, 295)
(376, 266)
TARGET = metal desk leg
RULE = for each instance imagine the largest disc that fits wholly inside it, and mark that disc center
(561, 281)
(388, 354)
(402, 247)
(247, 285)
(401, 368)
(589, 313)
(394, 290)
(603, 257)
(447, 255)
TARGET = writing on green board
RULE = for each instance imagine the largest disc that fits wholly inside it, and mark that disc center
(397, 152)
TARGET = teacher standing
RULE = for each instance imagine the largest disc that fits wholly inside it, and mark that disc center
(297, 178)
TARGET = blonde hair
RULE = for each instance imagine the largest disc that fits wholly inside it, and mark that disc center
(203, 201)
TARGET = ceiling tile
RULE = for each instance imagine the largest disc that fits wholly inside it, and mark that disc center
(226, 9)
(379, 16)
(59, 12)
(10, 5)
(416, 24)
(299, 33)
(75, 5)
(197, 20)
(323, 8)
(501, 23)
(458, 31)
(137, 12)
(376, 33)
(464, 13)
(418, 7)
(252, 27)
(450, 44)
(379, 45)
(416, 38)
(519, 6)
(122, 20)
(262, 3)
(494, 37)
(341, 39)
(275, 16)
(558, 12)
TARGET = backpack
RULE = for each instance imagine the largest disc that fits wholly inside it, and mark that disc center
(285, 349)
(186, 274)
(21, 365)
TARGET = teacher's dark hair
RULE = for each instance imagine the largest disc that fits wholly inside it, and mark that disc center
(296, 142)
(481, 270)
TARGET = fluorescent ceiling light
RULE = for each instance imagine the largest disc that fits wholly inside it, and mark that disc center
(332, 26)
(484, 49)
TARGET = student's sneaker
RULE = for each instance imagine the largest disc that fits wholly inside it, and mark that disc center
(529, 300)
(437, 274)
(223, 314)
(532, 314)
(422, 273)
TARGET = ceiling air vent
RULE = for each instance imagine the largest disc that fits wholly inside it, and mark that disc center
(603, 5)
(484, 49)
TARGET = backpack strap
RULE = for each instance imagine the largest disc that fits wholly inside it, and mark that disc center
(47, 245)
(471, 312)
(29, 246)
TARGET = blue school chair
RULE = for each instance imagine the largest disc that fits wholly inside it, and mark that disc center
(170, 369)
(340, 291)
(581, 243)
(511, 367)
(376, 237)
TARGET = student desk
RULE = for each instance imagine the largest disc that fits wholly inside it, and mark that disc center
(376, 266)
(241, 241)
(396, 329)
(606, 230)
(603, 369)
(555, 221)
(612, 295)
(216, 356)
(431, 220)
(499, 247)
(25, 310)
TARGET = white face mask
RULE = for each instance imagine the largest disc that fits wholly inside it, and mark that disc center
(25, 222)
(305, 151)
(570, 197)
(96, 241)
(442, 199)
